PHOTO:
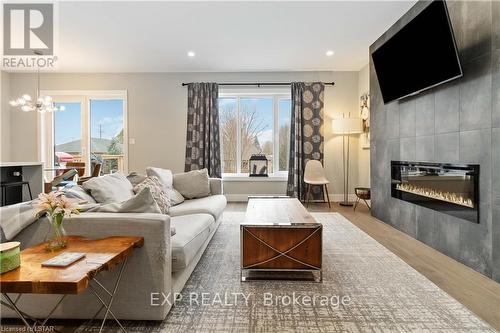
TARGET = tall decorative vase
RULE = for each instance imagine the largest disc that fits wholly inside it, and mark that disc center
(56, 237)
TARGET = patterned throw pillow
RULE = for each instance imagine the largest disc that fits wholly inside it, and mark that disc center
(156, 189)
(166, 178)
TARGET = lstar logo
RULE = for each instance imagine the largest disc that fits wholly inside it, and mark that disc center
(28, 27)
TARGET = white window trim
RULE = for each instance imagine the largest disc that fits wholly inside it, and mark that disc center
(277, 94)
(46, 120)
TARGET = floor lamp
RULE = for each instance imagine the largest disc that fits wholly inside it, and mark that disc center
(346, 127)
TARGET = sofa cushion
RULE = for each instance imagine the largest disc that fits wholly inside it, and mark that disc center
(109, 188)
(135, 178)
(192, 184)
(79, 194)
(213, 205)
(156, 188)
(142, 202)
(191, 231)
(166, 178)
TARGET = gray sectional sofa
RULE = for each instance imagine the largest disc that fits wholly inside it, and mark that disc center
(153, 274)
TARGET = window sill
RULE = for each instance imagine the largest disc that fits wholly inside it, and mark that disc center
(246, 178)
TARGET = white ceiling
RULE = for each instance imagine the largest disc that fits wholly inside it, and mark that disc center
(226, 36)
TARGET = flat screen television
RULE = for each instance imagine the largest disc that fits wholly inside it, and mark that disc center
(421, 55)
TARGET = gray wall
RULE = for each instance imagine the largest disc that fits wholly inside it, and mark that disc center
(157, 110)
(456, 122)
(4, 117)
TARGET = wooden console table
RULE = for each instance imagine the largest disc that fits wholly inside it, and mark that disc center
(279, 234)
(32, 278)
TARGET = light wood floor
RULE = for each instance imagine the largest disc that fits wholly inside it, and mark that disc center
(478, 293)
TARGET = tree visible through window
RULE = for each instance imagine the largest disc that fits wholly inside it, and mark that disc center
(106, 134)
(254, 125)
(284, 133)
(228, 120)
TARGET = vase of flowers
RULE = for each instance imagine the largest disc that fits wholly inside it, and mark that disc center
(56, 206)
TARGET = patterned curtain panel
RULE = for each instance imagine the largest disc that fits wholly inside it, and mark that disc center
(306, 136)
(202, 139)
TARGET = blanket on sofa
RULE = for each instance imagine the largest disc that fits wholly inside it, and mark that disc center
(14, 218)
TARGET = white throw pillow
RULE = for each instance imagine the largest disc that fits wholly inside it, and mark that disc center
(142, 202)
(79, 194)
(193, 184)
(166, 178)
(164, 175)
(156, 189)
(109, 188)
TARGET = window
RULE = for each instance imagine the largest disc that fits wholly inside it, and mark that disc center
(90, 130)
(285, 110)
(228, 122)
(253, 123)
(67, 145)
(106, 134)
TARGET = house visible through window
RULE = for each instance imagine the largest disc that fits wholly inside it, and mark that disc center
(254, 123)
(91, 130)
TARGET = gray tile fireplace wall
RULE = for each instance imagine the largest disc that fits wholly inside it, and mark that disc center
(458, 122)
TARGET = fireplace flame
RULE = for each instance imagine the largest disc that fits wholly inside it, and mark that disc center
(436, 194)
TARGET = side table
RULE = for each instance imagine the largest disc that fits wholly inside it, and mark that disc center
(31, 278)
(362, 193)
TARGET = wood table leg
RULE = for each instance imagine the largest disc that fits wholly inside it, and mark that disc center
(328, 196)
(308, 192)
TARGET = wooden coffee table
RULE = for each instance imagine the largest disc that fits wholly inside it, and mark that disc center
(31, 278)
(279, 235)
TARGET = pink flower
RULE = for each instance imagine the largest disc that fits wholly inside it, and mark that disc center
(55, 203)
(67, 206)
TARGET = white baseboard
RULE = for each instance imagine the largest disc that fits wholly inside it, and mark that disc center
(244, 197)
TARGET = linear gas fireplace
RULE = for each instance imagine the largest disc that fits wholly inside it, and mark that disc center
(448, 188)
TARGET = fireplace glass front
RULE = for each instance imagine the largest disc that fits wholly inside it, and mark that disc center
(447, 188)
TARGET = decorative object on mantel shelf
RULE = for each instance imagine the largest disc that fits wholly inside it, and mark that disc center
(258, 165)
(364, 104)
(39, 104)
(57, 207)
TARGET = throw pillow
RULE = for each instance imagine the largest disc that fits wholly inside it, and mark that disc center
(164, 175)
(109, 188)
(166, 178)
(193, 184)
(136, 178)
(79, 194)
(142, 202)
(156, 189)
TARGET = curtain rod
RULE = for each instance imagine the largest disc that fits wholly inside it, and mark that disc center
(259, 84)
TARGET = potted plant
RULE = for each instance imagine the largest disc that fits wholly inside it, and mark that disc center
(56, 207)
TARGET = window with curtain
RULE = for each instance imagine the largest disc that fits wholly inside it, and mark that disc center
(253, 122)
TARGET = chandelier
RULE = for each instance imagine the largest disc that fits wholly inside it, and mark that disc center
(40, 104)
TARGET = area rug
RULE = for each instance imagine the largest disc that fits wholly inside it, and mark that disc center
(365, 288)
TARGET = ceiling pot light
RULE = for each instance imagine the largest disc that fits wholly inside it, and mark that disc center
(329, 53)
(191, 54)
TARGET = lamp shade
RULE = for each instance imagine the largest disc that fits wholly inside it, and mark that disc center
(347, 126)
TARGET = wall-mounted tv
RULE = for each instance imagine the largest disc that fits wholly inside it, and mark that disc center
(421, 55)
